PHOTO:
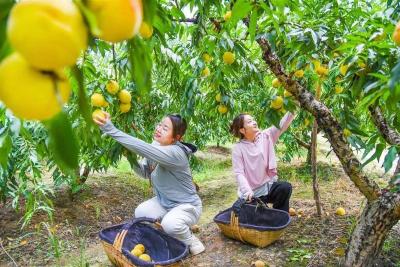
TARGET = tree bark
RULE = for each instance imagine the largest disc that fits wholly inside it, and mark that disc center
(308, 159)
(389, 134)
(81, 178)
(377, 219)
(397, 170)
(314, 134)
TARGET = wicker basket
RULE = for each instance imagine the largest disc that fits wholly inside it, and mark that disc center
(253, 224)
(118, 241)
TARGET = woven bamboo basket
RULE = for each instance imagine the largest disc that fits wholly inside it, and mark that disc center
(118, 241)
(253, 224)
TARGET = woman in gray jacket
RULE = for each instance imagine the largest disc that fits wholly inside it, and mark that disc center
(176, 201)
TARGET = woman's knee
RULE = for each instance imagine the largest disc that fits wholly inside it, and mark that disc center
(169, 226)
(151, 209)
(174, 226)
(142, 211)
(286, 188)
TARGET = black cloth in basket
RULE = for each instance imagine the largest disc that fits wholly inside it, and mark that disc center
(256, 217)
(162, 248)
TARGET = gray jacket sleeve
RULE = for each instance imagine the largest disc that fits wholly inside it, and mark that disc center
(167, 156)
(142, 169)
(145, 167)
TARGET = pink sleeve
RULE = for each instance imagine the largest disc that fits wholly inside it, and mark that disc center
(238, 169)
(274, 132)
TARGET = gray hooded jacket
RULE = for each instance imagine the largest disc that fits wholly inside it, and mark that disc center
(171, 177)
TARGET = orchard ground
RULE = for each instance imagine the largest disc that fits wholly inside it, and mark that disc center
(110, 198)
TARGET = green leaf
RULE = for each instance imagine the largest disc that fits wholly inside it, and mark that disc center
(273, 117)
(389, 158)
(89, 17)
(5, 7)
(149, 8)
(369, 99)
(132, 159)
(239, 11)
(177, 13)
(141, 64)
(63, 142)
(377, 154)
(370, 86)
(280, 3)
(314, 36)
(379, 149)
(395, 76)
(5, 149)
(83, 100)
(253, 25)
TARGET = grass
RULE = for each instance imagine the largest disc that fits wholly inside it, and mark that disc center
(203, 170)
(208, 169)
(302, 172)
(126, 175)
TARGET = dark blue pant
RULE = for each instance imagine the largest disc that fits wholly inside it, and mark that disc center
(279, 195)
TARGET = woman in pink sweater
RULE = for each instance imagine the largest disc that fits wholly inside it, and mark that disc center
(254, 161)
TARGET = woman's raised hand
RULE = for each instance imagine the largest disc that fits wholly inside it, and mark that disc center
(100, 117)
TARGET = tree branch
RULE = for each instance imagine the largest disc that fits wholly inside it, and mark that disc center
(214, 21)
(390, 135)
(397, 170)
(325, 120)
(189, 20)
(397, 204)
(301, 142)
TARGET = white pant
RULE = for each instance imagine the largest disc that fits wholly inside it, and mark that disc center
(175, 222)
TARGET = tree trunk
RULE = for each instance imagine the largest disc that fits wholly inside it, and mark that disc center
(308, 159)
(81, 178)
(314, 169)
(377, 219)
(314, 134)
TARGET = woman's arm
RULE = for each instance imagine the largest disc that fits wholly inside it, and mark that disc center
(143, 169)
(167, 156)
(274, 132)
(238, 169)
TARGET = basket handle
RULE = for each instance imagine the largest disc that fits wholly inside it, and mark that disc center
(138, 220)
(260, 203)
(235, 225)
(237, 206)
(119, 239)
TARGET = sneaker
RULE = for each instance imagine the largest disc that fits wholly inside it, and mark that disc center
(196, 247)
